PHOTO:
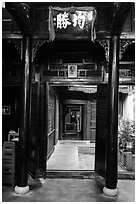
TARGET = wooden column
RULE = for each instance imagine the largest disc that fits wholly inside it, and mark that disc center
(22, 173)
(38, 123)
(111, 162)
(46, 124)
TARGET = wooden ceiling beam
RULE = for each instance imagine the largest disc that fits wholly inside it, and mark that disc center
(20, 16)
(119, 17)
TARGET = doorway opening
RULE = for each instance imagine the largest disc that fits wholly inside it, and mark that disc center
(71, 129)
(75, 147)
(73, 122)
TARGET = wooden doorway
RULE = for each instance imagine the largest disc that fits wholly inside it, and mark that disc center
(73, 122)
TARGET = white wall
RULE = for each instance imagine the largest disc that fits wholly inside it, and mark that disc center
(129, 106)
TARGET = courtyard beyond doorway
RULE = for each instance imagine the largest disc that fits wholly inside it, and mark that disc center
(72, 155)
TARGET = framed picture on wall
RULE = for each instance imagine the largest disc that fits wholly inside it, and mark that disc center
(72, 71)
(6, 110)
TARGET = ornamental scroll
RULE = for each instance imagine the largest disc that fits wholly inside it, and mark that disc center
(73, 20)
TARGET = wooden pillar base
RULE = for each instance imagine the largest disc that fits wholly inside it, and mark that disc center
(110, 192)
(21, 190)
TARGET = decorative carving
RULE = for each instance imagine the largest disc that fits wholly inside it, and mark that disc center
(18, 46)
(116, 7)
(26, 7)
(36, 44)
(124, 45)
(127, 73)
(83, 89)
(105, 43)
(124, 89)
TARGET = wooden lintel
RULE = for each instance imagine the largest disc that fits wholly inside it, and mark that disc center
(12, 36)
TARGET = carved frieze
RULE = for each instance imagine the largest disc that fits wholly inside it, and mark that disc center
(18, 45)
(105, 43)
(83, 89)
(36, 44)
(124, 45)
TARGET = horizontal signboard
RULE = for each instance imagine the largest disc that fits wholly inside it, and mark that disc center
(73, 20)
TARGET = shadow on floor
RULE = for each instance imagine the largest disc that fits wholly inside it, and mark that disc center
(72, 136)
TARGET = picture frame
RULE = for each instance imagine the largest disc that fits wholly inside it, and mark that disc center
(72, 71)
(6, 110)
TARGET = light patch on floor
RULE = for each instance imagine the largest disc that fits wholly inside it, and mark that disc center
(72, 155)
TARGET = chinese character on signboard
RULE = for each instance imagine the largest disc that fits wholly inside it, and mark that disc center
(77, 19)
(71, 20)
(63, 20)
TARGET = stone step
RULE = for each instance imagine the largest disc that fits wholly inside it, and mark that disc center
(70, 174)
(84, 174)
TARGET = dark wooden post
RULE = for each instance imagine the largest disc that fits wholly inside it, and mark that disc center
(22, 173)
(46, 124)
(111, 162)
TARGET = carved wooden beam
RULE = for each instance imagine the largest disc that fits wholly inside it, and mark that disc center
(20, 13)
(105, 43)
(124, 44)
(121, 11)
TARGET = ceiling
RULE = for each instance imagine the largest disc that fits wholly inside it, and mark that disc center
(32, 17)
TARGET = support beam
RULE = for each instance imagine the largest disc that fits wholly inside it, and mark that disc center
(20, 15)
(119, 16)
(111, 163)
(22, 173)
